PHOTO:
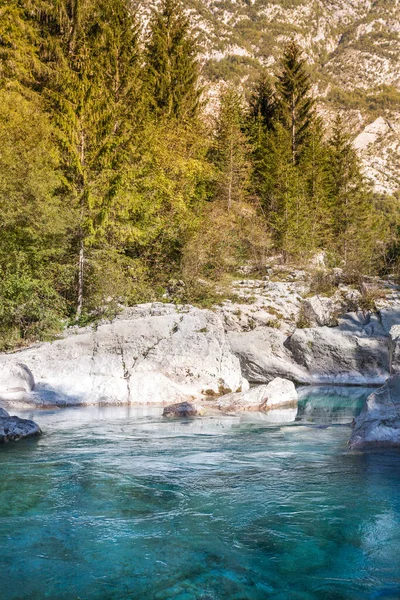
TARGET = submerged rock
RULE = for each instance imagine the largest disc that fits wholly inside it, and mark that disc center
(14, 428)
(379, 421)
(279, 393)
(153, 353)
(183, 410)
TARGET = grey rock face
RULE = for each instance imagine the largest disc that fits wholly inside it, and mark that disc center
(263, 356)
(356, 352)
(151, 354)
(321, 311)
(340, 355)
(13, 428)
(279, 393)
(394, 348)
(379, 421)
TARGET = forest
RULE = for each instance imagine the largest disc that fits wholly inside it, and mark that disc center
(119, 181)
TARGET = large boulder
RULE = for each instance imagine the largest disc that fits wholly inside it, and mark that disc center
(279, 393)
(16, 381)
(263, 356)
(356, 352)
(342, 355)
(153, 353)
(379, 421)
(321, 311)
(14, 428)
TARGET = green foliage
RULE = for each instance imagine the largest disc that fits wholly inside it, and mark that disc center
(263, 103)
(231, 151)
(32, 223)
(294, 102)
(112, 185)
(172, 67)
(357, 225)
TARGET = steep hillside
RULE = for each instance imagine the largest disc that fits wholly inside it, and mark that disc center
(353, 46)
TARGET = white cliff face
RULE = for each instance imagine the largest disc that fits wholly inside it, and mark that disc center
(150, 354)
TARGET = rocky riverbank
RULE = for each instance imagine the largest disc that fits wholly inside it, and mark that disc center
(167, 354)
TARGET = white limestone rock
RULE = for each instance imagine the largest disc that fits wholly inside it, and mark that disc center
(150, 354)
(356, 352)
(16, 380)
(263, 356)
(279, 393)
(321, 311)
(394, 348)
(379, 421)
(342, 355)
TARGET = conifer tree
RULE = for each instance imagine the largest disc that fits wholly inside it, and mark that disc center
(295, 105)
(262, 103)
(18, 37)
(284, 196)
(92, 59)
(355, 220)
(232, 150)
(312, 166)
(172, 66)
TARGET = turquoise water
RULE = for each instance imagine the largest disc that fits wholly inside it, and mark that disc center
(119, 504)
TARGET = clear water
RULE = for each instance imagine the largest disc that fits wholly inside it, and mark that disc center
(119, 504)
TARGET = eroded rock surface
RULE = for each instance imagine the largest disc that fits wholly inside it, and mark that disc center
(153, 353)
(356, 352)
(16, 381)
(13, 429)
(379, 421)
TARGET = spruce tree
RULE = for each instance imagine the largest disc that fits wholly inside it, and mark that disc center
(91, 55)
(283, 193)
(18, 39)
(262, 103)
(232, 150)
(172, 65)
(355, 220)
(312, 166)
(294, 102)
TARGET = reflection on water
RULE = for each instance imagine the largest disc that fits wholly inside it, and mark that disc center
(117, 503)
(329, 405)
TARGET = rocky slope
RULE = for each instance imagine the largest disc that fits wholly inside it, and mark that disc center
(354, 49)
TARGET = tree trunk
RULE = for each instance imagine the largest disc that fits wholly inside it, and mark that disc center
(80, 280)
(293, 132)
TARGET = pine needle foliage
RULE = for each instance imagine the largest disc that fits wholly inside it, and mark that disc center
(172, 67)
(295, 104)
